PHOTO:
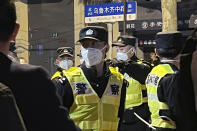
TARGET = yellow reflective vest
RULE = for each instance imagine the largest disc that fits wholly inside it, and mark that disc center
(57, 74)
(134, 96)
(88, 110)
(154, 104)
(135, 90)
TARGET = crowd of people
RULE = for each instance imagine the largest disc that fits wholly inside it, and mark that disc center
(120, 94)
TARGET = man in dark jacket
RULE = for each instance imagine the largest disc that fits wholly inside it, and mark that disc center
(34, 92)
(9, 111)
(186, 98)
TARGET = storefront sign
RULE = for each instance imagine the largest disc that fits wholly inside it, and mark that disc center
(153, 24)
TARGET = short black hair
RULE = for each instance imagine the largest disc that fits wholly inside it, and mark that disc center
(190, 44)
(7, 19)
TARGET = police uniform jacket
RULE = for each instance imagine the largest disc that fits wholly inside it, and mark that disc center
(139, 73)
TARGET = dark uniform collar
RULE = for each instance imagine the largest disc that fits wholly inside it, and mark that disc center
(92, 73)
(59, 69)
(134, 58)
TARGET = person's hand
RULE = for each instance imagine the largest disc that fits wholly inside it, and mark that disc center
(115, 63)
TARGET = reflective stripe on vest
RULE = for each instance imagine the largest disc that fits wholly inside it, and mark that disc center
(154, 104)
(88, 110)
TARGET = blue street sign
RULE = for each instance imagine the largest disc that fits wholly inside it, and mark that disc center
(104, 11)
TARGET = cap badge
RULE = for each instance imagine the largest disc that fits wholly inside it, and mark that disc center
(89, 32)
(65, 51)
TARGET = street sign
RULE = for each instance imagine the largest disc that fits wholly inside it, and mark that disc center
(110, 12)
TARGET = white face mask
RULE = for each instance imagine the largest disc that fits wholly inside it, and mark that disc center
(66, 64)
(123, 55)
(92, 56)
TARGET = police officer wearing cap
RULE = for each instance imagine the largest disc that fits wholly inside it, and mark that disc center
(94, 93)
(160, 83)
(64, 61)
(135, 72)
(65, 58)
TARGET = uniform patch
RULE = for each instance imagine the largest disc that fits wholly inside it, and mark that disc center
(114, 89)
(152, 80)
(82, 88)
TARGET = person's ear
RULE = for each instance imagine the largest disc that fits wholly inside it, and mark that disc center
(133, 50)
(15, 32)
(107, 48)
(57, 61)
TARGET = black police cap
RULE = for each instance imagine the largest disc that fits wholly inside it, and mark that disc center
(65, 51)
(93, 32)
(125, 40)
(169, 44)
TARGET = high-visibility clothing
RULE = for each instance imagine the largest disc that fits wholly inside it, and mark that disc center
(57, 74)
(88, 110)
(136, 92)
(152, 83)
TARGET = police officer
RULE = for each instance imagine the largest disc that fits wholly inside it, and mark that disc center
(160, 81)
(34, 92)
(93, 93)
(135, 72)
(64, 61)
